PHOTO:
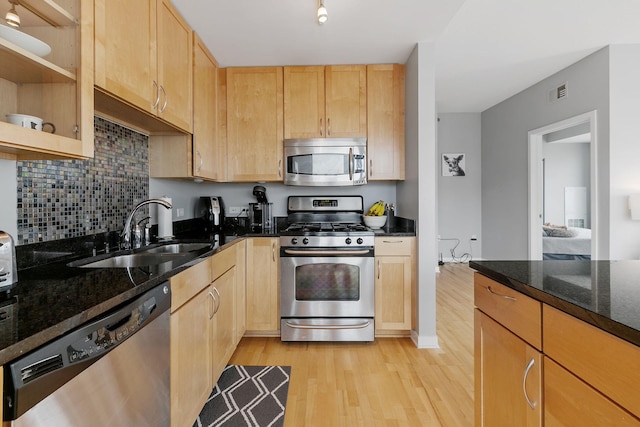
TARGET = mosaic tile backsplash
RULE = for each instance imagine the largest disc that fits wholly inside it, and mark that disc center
(59, 199)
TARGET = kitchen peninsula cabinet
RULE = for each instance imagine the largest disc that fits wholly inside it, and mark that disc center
(508, 360)
(385, 121)
(143, 56)
(254, 109)
(394, 281)
(57, 87)
(263, 298)
(325, 102)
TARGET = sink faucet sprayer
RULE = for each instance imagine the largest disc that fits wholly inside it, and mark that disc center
(126, 233)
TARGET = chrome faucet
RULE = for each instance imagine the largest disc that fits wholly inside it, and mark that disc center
(125, 242)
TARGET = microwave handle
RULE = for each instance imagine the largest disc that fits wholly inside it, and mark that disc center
(351, 165)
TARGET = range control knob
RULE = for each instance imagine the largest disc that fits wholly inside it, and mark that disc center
(359, 241)
(294, 241)
(348, 241)
(305, 241)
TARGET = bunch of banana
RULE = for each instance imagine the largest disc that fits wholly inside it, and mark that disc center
(377, 209)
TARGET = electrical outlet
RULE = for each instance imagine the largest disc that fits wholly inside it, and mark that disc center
(234, 210)
(179, 212)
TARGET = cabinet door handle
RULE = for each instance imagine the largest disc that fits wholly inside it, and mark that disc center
(370, 167)
(328, 126)
(280, 168)
(321, 126)
(491, 291)
(199, 168)
(213, 305)
(273, 251)
(379, 268)
(164, 105)
(155, 104)
(531, 404)
(219, 300)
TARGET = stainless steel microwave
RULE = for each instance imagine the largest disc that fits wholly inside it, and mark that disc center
(325, 161)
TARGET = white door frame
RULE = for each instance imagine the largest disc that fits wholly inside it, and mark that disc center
(535, 181)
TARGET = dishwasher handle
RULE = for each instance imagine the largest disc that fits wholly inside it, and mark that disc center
(35, 376)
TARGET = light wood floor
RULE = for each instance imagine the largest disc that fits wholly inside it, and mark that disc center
(385, 383)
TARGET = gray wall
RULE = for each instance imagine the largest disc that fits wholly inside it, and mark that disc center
(460, 197)
(184, 194)
(505, 152)
(624, 152)
(419, 192)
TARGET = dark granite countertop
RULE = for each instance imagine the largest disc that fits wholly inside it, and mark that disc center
(54, 298)
(605, 294)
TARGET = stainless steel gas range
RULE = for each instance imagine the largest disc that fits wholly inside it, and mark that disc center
(327, 271)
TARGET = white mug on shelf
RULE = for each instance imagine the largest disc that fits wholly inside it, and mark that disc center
(29, 122)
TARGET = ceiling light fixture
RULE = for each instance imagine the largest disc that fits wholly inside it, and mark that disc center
(322, 13)
(12, 17)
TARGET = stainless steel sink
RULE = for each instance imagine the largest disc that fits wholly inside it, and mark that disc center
(139, 259)
(175, 248)
(145, 257)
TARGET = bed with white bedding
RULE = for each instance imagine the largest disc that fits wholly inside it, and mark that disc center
(573, 244)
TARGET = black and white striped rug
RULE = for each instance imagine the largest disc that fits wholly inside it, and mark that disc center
(247, 396)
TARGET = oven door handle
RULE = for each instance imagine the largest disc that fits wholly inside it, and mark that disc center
(329, 252)
(312, 326)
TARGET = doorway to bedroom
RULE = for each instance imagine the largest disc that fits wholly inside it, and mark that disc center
(563, 190)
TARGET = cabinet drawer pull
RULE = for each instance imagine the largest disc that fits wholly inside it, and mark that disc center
(531, 404)
(393, 241)
(491, 291)
(379, 267)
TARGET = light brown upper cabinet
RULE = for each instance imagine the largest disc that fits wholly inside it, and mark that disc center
(57, 87)
(325, 102)
(385, 121)
(208, 151)
(203, 154)
(254, 124)
(144, 56)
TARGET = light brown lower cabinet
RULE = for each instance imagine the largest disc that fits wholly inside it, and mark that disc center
(190, 343)
(394, 279)
(585, 377)
(569, 401)
(263, 279)
(508, 374)
(203, 329)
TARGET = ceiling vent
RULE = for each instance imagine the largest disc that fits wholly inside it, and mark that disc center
(558, 93)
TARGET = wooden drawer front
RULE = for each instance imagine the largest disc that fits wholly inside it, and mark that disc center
(608, 363)
(394, 246)
(515, 311)
(570, 402)
(223, 261)
(186, 284)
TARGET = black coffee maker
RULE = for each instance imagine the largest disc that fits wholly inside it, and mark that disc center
(260, 214)
(211, 210)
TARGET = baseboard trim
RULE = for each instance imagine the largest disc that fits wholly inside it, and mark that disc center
(424, 341)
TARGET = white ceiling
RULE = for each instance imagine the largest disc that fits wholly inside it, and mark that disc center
(486, 50)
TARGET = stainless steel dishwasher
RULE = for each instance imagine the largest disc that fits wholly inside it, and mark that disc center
(112, 371)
